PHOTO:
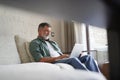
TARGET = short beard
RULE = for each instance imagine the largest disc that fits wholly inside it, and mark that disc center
(46, 37)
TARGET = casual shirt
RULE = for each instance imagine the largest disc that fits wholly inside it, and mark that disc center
(53, 53)
(39, 48)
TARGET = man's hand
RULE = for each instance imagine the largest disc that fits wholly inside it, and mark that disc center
(63, 56)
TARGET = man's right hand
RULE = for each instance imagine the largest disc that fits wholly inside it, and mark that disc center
(63, 56)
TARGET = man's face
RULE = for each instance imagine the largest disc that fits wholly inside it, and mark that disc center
(44, 32)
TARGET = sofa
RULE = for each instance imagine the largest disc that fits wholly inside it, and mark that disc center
(16, 63)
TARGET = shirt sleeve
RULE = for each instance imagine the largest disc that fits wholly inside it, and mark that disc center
(35, 51)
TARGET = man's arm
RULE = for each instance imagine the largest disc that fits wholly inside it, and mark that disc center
(53, 59)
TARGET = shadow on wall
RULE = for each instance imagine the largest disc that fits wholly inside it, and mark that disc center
(86, 11)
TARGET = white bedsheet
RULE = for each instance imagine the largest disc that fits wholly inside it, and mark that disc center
(45, 71)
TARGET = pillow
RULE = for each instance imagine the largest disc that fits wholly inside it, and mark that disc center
(28, 52)
(8, 51)
(21, 49)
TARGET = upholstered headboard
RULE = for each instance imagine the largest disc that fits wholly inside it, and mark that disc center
(22, 47)
(28, 52)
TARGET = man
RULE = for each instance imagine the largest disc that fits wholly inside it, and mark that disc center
(45, 50)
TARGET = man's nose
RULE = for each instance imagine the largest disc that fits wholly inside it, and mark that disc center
(47, 32)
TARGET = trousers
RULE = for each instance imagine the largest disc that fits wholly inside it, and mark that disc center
(86, 62)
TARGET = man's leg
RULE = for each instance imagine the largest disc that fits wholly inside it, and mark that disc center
(73, 62)
(90, 63)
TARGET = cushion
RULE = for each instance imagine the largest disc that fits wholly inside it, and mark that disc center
(28, 52)
(8, 51)
(20, 43)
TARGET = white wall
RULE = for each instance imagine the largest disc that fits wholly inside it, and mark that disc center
(14, 21)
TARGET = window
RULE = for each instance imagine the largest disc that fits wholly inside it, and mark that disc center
(98, 42)
(94, 40)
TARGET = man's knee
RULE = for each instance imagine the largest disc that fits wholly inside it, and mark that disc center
(88, 57)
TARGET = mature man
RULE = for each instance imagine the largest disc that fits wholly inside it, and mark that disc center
(45, 50)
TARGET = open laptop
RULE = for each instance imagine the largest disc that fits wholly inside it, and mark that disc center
(77, 50)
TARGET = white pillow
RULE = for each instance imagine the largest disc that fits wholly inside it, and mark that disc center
(8, 51)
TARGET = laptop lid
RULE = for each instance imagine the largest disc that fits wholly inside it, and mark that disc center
(77, 50)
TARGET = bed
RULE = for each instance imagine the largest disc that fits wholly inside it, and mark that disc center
(45, 71)
(16, 63)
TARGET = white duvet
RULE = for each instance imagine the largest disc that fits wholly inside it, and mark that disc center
(45, 71)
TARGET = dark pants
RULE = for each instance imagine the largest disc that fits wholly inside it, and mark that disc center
(85, 63)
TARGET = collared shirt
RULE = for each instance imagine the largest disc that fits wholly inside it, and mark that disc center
(39, 49)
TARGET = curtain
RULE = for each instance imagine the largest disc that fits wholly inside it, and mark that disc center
(74, 32)
(80, 33)
(69, 35)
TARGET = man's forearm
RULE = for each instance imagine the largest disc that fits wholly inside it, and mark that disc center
(48, 59)
(53, 59)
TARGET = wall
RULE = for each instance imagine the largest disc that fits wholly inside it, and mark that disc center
(86, 11)
(15, 21)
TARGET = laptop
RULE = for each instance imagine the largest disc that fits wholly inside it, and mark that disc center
(77, 50)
